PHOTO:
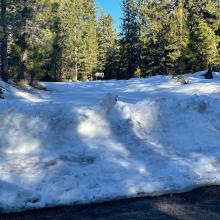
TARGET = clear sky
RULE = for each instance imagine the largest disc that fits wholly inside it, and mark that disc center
(113, 7)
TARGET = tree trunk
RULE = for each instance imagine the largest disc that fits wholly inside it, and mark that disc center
(25, 13)
(75, 59)
(4, 43)
(23, 75)
(75, 77)
(209, 74)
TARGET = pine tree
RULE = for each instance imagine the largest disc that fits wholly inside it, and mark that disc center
(130, 38)
(23, 31)
(155, 30)
(39, 40)
(4, 41)
(107, 39)
(69, 37)
(177, 39)
(55, 64)
(89, 44)
(205, 45)
(30, 41)
(75, 44)
(203, 22)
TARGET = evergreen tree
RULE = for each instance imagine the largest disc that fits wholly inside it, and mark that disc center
(107, 39)
(39, 40)
(4, 40)
(203, 22)
(177, 39)
(24, 15)
(69, 37)
(76, 39)
(155, 31)
(55, 70)
(204, 46)
(89, 45)
(130, 38)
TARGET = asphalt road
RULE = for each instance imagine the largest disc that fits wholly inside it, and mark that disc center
(199, 204)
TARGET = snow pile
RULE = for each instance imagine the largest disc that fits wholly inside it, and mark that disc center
(95, 141)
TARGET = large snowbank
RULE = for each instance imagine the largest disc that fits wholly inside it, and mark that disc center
(95, 141)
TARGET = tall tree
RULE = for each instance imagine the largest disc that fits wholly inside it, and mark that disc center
(155, 22)
(89, 44)
(55, 65)
(24, 35)
(70, 37)
(177, 38)
(130, 38)
(107, 39)
(4, 41)
(203, 23)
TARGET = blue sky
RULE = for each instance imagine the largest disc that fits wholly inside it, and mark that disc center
(113, 7)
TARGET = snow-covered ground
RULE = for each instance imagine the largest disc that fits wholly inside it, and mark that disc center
(94, 141)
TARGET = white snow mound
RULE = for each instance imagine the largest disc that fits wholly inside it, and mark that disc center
(95, 141)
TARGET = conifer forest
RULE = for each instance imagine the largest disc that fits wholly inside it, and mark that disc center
(53, 40)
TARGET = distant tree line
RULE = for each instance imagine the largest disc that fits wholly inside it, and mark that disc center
(55, 40)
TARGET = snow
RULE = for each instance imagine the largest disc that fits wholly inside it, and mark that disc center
(89, 142)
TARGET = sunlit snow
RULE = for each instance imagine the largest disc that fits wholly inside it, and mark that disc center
(94, 141)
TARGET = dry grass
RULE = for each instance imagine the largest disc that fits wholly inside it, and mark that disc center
(23, 83)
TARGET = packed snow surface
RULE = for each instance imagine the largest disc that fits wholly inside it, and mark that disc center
(94, 141)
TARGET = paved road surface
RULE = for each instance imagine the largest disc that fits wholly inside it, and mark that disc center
(199, 204)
